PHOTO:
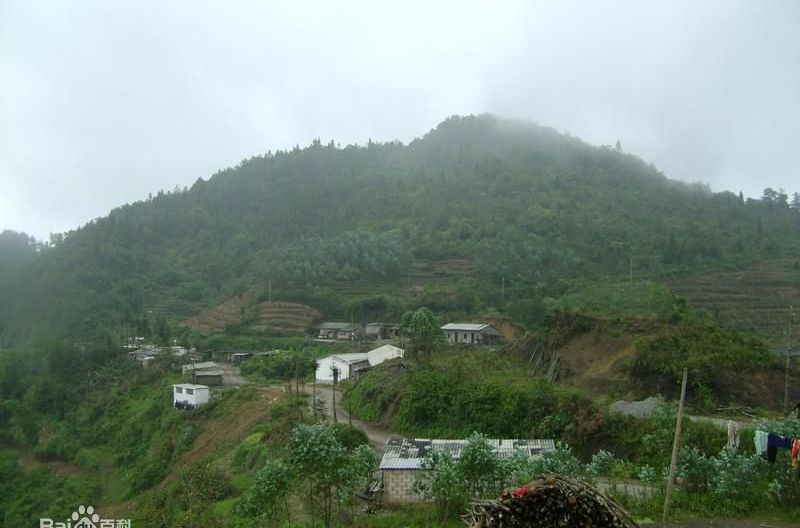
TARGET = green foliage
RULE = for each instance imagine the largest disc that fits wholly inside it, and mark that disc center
(461, 392)
(422, 330)
(269, 492)
(509, 197)
(641, 299)
(331, 474)
(204, 483)
(713, 355)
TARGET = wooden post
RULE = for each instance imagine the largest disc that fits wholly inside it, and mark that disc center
(335, 382)
(675, 443)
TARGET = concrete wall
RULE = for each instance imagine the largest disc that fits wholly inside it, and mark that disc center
(398, 486)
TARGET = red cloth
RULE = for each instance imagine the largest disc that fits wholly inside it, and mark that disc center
(795, 452)
(519, 492)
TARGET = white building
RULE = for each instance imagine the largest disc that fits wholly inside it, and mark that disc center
(384, 353)
(189, 395)
(349, 365)
(471, 334)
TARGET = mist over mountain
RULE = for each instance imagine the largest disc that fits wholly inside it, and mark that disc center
(525, 210)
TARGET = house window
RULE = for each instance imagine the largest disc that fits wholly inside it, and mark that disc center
(189, 391)
(465, 336)
(179, 390)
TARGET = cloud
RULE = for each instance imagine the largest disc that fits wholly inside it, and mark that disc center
(102, 103)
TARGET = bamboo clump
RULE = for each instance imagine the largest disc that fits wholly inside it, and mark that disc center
(553, 501)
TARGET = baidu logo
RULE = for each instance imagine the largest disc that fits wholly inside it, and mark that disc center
(85, 517)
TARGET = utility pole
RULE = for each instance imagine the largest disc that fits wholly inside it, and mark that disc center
(270, 290)
(675, 442)
(503, 291)
(788, 361)
(630, 272)
(335, 382)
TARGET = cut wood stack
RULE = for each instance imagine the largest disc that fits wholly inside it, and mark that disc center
(553, 501)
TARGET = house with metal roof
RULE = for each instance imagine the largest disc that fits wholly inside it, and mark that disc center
(338, 331)
(348, 365)
(403, 460)
(471, 334)
(194, 367)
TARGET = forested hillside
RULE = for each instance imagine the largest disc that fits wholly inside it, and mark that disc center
(527, 210)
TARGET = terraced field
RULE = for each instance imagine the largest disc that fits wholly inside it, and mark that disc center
(275, 318)
(756, 299)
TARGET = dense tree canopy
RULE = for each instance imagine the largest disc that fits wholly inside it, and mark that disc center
(527, 206)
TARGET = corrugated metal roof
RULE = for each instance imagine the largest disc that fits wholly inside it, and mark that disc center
(352, 357)
(465, 327)
(408, 453)
(190, 386)
(200, 366)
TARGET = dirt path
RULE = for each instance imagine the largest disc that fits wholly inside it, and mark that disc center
(226, 431)
(377, 435)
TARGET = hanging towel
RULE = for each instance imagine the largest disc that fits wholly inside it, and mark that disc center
(796, 453)
(733, 435)
(761, 442)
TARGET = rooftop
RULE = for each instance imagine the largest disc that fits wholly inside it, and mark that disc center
(408, 453)
(353, 357)
(467, 327)
(200, 366)
(190, 386)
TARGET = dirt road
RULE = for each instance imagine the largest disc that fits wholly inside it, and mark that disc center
(377, 435)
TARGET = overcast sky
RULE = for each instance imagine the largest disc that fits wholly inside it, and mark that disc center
(102, 102)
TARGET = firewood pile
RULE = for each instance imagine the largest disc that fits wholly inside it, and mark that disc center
(553, 501)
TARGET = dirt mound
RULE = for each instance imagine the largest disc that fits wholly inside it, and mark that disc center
(225, 432)
(285, 318)
(597, 360)
(216, 318)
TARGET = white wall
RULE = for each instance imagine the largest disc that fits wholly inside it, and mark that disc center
(384, 353)
(198, 397)
(325, 364)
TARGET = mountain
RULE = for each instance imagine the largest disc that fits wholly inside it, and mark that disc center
(494, 215)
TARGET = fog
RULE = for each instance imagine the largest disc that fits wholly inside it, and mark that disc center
(102, 102)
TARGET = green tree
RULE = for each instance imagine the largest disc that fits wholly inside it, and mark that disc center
(422, 331)
(329, 471)
(268, 494)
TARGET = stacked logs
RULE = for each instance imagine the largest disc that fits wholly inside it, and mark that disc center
(553, 501)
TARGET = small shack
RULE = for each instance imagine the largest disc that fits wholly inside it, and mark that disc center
(189, 395)
(349, 365)
(330, 330)
(384, 353)
(402, 461)
(194, 367)
(209, 376)
(471, 334)
(381, 331)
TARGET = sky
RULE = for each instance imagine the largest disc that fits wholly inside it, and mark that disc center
(102, 103)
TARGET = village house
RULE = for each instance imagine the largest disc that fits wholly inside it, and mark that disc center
(204, 365)
(209, 376)
(354, 364)
(402, 460)
(338, 331)
(349, 365)
(471, 334)
(189, 395)
(381, 331)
